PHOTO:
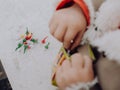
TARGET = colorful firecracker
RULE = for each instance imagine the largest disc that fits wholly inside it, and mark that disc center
(44, 41)
(27, 41)
(47, 46)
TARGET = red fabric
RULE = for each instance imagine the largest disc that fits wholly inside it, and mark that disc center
(81, 3)
(63, 3)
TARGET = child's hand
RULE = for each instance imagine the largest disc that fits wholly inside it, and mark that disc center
(68, 24)
(78, 70)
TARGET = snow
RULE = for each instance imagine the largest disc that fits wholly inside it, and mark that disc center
(32, 70)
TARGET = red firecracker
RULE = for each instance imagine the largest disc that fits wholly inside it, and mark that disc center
(29, 36)
(44, 40)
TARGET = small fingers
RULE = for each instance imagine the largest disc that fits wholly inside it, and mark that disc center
(51, 21)
(59, 78)
(73, 76)
(70, 35)
(77, 61)
(60, 32)
(77, 40)
(88, 67)
(66, 65)
(53, 26)
(88, 62)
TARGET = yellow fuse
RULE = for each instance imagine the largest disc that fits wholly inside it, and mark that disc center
(62, 55)
(91, 54)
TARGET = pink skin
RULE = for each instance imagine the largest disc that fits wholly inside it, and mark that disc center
(68, 24)
(78, 70)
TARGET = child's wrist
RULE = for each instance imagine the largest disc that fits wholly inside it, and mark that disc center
(84, 8)
(79, 9)
(82, 5)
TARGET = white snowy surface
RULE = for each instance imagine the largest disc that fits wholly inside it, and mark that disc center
(32, 70)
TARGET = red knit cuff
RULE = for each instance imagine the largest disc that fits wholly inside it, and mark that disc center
(64, 3)
(81, 3)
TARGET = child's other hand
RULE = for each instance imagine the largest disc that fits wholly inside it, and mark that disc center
(78, 70)
(68, 24)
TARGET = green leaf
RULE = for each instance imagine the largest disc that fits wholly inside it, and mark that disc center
(27, 32)
(47, 46)
(24, 40)
(19, 46)
(25, 48)
(34, 40)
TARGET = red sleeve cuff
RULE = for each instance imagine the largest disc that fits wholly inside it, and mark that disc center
(64, 3)
(81, 3)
